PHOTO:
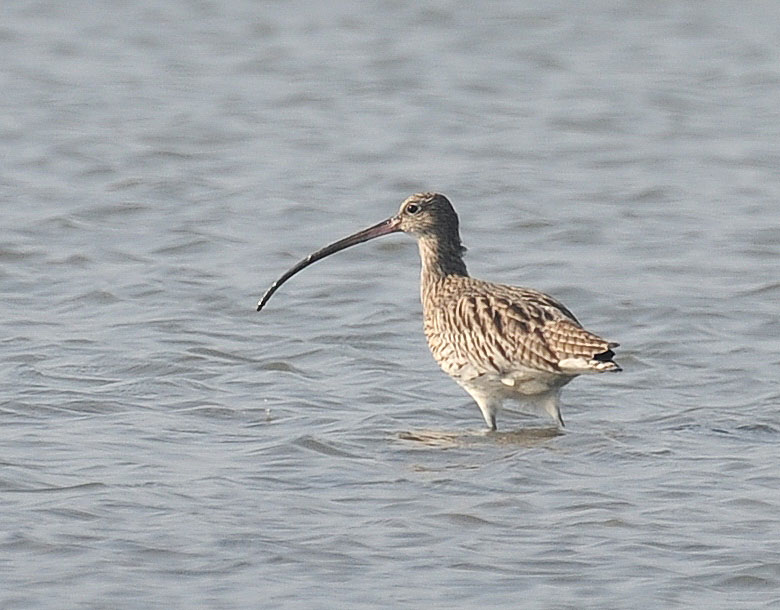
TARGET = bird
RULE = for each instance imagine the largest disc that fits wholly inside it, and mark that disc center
(496, 341)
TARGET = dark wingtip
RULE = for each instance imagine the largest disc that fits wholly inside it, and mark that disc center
(606, 356)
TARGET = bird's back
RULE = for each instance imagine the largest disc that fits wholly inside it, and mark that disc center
(475, 328)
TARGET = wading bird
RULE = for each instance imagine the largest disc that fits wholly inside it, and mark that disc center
(496, 341)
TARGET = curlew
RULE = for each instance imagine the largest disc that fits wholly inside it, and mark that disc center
(496, 341)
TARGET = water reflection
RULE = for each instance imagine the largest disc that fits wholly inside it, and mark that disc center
(445, 439)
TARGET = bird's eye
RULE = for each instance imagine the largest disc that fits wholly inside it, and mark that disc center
(412, 208)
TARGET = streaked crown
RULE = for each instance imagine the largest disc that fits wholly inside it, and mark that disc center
(429, 215)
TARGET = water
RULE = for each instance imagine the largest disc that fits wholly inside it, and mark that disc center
(163, 445)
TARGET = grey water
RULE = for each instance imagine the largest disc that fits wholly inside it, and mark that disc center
(162, 445)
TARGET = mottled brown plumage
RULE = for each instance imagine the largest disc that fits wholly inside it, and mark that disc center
(496, 341)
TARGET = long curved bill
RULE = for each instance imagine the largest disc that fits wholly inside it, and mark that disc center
(391, 225)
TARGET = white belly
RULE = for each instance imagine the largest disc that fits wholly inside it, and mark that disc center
(517, 384)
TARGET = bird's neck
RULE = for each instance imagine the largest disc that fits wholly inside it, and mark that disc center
(440, 258)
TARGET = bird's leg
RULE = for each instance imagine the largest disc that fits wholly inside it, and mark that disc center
(488, 405)
(550, 404)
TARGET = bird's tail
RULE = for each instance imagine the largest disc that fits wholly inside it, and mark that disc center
(600, 362)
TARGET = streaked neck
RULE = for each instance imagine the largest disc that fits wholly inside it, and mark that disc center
(441, 257)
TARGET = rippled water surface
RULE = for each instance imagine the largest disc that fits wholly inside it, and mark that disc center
(163, 445)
